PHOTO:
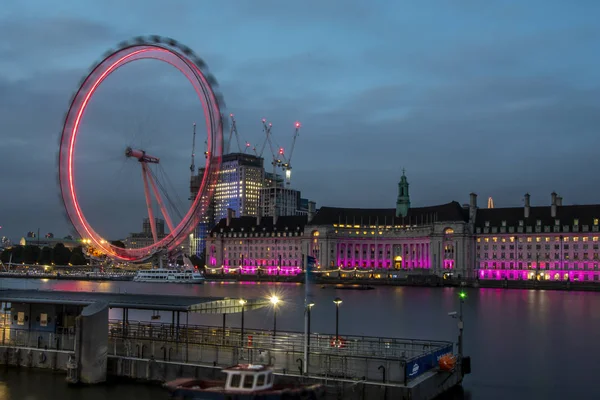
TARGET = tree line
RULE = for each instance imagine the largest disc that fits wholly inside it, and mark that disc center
(30, 254)
(61, 255)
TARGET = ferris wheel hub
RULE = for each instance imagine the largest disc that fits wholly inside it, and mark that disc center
(141, 156)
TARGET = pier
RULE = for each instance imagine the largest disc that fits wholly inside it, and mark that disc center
(41, 329)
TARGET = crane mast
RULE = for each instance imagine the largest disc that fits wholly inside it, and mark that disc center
(277, 160)
(233, 131)
(288, 163)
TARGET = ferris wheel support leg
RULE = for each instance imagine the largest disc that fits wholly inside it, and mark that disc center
(161, 205)
(149, 201)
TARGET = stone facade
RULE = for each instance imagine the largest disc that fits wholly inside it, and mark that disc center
(553, 242)
(436, 239)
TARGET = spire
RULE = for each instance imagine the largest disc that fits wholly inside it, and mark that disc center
(403, 201)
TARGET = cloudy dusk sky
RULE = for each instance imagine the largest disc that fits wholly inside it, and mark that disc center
(496, 98)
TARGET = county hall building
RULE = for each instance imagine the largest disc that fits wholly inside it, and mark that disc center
(554, 242)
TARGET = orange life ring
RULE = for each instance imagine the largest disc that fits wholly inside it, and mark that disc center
(447, 362)
(341, 343)
(249, 340)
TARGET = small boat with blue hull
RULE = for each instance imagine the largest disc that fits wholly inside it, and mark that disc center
(242, 382)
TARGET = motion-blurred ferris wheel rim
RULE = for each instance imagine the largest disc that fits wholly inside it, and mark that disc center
(205, 85)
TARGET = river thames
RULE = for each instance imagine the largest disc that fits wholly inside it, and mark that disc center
(523, 344)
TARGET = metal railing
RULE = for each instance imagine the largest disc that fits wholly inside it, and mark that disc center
(37, 339)
(349, 345)
(356, 357)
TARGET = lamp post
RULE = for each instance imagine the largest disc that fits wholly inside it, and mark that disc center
(243, 304)
(337, 302)
(274, 300)
(462, 295)
(309, 307)
(307, 311)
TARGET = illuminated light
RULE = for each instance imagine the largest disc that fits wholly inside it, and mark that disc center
(264, 120)
(274, 300)
(462, 295)
(72, 122)
(242, 302)
(281, 150)
(297, 124)
(337, 301)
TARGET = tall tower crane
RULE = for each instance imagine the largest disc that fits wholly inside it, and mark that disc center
(232, 131)
(287, 166)
(279, 158)
(267, 131)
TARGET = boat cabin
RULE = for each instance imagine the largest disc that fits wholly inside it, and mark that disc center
(248, 378)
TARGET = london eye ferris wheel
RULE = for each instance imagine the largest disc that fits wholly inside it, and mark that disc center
(210, 107)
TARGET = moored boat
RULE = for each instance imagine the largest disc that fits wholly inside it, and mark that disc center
(242, 382)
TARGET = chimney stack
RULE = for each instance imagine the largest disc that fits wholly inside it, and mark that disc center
(559, 201)
(230, 215)
(527, 205)
(311, 210)
(259, 216)
(472, 207)
(553, 205)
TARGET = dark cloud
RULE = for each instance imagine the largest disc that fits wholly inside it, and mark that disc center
(463, 101)
(37, 44)
(284, 13)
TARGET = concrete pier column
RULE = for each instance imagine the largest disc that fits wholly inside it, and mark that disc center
(91, 343)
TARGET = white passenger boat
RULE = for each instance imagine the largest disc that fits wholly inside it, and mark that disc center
(169, 275)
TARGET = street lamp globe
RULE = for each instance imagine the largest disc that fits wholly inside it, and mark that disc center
(274, 300)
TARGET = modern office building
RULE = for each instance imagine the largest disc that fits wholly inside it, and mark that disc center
(273, 180)
(280, 200)
(238, 188)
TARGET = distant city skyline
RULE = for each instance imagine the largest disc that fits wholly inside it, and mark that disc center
(491, 98)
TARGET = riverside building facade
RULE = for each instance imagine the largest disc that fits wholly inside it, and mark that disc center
(434, 239)
(554, 242)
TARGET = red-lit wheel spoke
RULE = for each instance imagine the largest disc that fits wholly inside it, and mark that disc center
(161, 204)
(149, 202)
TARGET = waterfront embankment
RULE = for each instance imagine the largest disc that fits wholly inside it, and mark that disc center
(347, 282)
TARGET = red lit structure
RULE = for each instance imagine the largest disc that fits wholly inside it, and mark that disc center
(194, 69)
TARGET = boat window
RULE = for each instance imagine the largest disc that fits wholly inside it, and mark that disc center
(260, 380)
(235, 381)
(248, 381)
(270, 378)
